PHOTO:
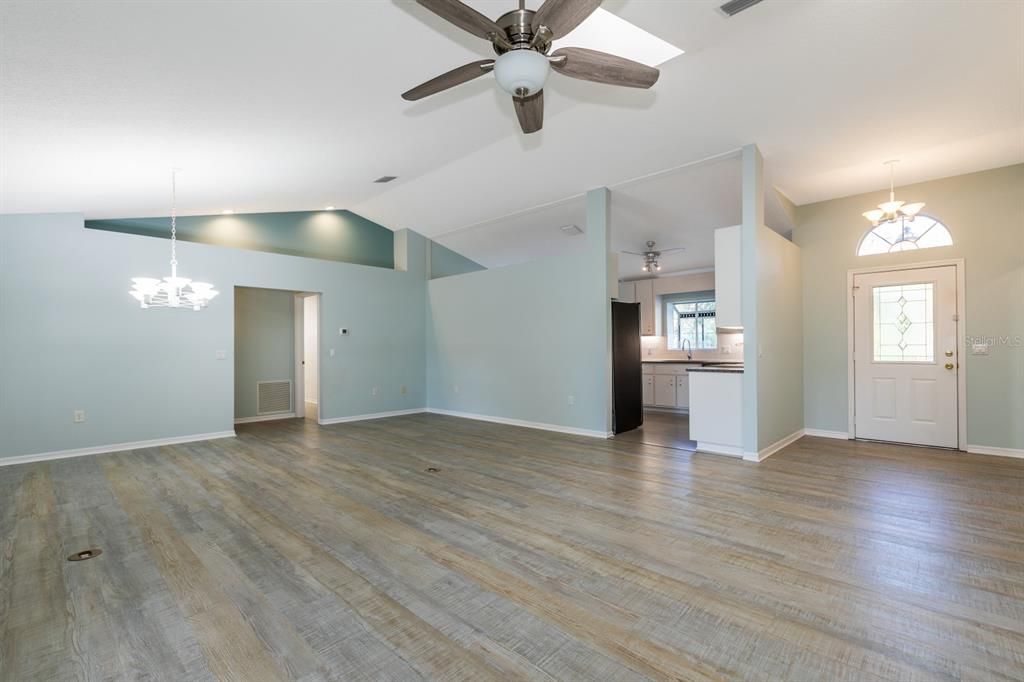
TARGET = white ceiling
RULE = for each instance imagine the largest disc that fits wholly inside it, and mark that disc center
(681, 207)
(295, 105)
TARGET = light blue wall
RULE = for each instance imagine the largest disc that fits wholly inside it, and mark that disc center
(264, 343)
(444, 262)
(519, 340)
(985, 214)
(71, 337)
(332, 235)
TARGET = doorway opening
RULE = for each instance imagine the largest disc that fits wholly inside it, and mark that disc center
(906, 355)
(307, 354)
(276, 355)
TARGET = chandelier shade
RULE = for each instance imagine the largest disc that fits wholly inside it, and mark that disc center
(173, 291)
(892, 210)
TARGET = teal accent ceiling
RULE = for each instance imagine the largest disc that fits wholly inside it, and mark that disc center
(341, 236)
(444, 262)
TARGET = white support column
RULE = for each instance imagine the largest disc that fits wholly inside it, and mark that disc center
(752, 193)
(598, 246)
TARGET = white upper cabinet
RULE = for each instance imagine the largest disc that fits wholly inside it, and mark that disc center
(627, 292)
(728, 277)
(645, 297)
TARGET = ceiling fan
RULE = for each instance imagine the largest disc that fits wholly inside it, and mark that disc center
(651, 256)
(522, 39)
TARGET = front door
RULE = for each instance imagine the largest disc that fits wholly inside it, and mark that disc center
(905, 356)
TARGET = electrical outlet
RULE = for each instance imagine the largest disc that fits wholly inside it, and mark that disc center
(456, 388)
(332, 353)
(375, 391)
(572, 400)
(404, 390)
(222, 355)
(79, 416)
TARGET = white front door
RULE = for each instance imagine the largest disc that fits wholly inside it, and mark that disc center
(905, 356)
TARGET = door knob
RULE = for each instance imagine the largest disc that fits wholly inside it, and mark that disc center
(949, 353)
(949, 365)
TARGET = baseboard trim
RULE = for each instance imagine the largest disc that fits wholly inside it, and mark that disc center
(822, 433)
(667, 410)
(521, 422)
(719, 449)
(115, 447)
(265, 418)
(374, 415)
(998, 452)
(766, 452)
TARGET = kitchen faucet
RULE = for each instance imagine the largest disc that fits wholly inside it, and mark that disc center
(688, 347)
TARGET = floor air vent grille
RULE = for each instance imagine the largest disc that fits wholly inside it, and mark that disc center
(734, 7)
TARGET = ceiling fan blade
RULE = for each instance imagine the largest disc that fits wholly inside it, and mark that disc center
(601, 67)
(562, 16)
(530, 111)
(450, 79)
(465, 17)
(678, 248)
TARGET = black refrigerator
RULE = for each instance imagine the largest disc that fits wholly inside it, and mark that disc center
(627, 374)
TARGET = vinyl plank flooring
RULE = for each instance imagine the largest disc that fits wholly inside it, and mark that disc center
(299, 552)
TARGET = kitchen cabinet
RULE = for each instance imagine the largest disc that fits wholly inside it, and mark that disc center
(645, 297)
(664, 390)
(716, 413)
(728, 277)
(627, 292)
(666, 386)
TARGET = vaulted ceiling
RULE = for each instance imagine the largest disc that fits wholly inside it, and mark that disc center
(273, 106)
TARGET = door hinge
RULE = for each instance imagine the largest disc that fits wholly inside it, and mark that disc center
(956, 317)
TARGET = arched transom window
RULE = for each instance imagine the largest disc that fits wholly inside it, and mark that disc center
(923, 232)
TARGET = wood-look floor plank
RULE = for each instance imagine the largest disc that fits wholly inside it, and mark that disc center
(304, 552)
(232, 649)
(39, 641)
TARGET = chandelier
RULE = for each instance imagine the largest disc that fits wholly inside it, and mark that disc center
(173, 291)
(891, 210)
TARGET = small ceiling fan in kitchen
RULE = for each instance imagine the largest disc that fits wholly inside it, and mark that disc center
(522, 40)
(651, 256)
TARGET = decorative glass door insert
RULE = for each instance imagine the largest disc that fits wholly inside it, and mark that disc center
(904, 323)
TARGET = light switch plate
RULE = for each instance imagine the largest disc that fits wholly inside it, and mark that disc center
(332, 352)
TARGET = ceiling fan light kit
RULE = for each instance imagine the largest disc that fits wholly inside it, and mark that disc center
(521, 72)
(522, 40)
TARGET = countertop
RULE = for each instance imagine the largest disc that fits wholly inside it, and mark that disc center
(724, 369)
(731, 367)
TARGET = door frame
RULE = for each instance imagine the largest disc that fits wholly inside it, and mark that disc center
(299, 329)
(961, 340)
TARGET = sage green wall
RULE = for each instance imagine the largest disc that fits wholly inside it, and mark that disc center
(71, 337)
(985, 213)
(518, 341)
(264, 343)
(780, 385)
(331, 235)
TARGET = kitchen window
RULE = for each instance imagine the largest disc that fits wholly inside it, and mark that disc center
(691, 319)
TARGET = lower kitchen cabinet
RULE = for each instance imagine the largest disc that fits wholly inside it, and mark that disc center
(664, 391)
(648, 389)
(667, 386)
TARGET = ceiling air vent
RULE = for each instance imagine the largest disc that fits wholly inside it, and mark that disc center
(386, 178)
(273, 397)
(734, 7)
(570, 230)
